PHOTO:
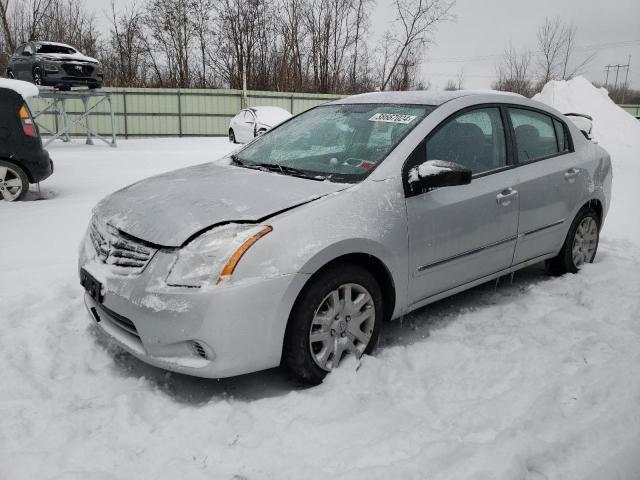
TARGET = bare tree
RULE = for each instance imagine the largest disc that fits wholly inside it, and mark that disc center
(415, 22)
(513, 72)
(556, 49)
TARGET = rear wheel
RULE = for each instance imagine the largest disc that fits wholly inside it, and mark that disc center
(338, 314)
(581, 244)
(14, 183)
(37, 75)
(232, 136)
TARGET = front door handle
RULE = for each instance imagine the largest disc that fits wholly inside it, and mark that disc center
(571, 174)
(505, 197)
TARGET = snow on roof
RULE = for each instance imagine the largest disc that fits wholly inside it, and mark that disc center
(57, 44)
(271, 115)
(420, 97)
(25, 89)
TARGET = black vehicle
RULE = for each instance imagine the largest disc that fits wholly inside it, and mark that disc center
(55, 64)
(22, 158)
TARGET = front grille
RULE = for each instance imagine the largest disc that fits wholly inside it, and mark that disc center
(112, 248)
(77, 69)
(117, 320)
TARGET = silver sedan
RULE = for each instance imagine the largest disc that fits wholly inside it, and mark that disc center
(300, 246)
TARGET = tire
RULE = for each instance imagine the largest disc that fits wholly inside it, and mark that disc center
(232, 136)
(581, 244)
(10, 74)
(37, 75)
(340, 334)
(14, 184)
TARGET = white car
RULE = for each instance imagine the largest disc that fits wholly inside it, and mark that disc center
(254, 121)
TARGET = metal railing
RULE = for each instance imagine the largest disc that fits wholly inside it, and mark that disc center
(151, 112)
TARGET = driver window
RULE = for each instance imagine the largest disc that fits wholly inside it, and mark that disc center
(474, 139)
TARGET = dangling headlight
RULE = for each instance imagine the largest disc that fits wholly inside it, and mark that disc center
(212, 257)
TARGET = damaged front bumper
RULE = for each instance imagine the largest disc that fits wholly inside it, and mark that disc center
(213, 332)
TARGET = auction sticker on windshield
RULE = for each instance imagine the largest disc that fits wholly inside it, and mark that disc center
(392, 118)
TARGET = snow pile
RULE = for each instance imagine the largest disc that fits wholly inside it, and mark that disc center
(535, 379)
(619, 133)
(612, 126)
(23, 88)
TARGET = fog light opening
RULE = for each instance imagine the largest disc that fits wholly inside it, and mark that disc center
(199, 349)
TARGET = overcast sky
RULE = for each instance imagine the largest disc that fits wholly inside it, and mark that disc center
(474, 42)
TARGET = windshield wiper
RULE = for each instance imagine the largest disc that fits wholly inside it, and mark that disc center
(284, 170)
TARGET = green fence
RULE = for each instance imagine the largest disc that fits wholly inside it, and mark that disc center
(632, 109)
(150, 112)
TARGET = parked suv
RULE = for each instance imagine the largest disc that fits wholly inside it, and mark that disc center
(22, 158)
(55, 64)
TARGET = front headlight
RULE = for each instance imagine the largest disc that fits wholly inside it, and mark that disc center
(212, 257)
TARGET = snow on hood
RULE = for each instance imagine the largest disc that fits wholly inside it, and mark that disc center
(611, 124)
(69, 56)
(170, 208)
(25, 89)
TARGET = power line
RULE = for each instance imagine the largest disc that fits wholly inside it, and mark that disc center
(601, 46)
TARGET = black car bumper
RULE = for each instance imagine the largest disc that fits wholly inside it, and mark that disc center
(39, 166)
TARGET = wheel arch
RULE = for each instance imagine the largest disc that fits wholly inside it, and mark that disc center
(374, 265)
(20, 164)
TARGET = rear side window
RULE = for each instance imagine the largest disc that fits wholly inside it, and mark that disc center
(473, 139)
(535, 134)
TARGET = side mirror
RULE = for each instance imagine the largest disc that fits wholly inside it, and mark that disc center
(437, 173)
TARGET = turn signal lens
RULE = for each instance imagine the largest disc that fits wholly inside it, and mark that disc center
(28, 127)
(235, 258)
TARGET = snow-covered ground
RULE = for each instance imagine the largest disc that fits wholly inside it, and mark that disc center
(535, 379)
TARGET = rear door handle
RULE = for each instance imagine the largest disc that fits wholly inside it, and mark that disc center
(505, 197)
(571, 174)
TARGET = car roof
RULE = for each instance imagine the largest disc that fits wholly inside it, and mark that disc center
(57, 44)
(421, 97)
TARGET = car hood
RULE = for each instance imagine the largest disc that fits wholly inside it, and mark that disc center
(171, 208)
(68, 57)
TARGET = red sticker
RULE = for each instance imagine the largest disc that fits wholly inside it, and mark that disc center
(367, 165)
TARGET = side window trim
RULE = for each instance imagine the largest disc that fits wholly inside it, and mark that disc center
(567, 132)
(419, 152)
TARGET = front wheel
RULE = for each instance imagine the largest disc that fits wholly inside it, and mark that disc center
(339, 313)
(14, 183)
(37, 75)
(581, 244)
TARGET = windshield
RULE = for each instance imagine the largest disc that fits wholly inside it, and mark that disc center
(47, 48)
(335, 142)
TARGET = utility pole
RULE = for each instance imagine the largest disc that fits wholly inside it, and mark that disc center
(617, 69)
(626, 79)
(244, 103)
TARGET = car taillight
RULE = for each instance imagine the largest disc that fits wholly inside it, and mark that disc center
(28, 127)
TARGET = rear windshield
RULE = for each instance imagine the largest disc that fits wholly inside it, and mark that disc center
(44, 48)
(335, 142)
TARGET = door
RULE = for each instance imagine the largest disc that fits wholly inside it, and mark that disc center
(463, 233)
(551, 182)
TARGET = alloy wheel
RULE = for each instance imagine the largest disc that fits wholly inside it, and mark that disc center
(342, 324)
(10, 184)
(37, 76)
(585, 242)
